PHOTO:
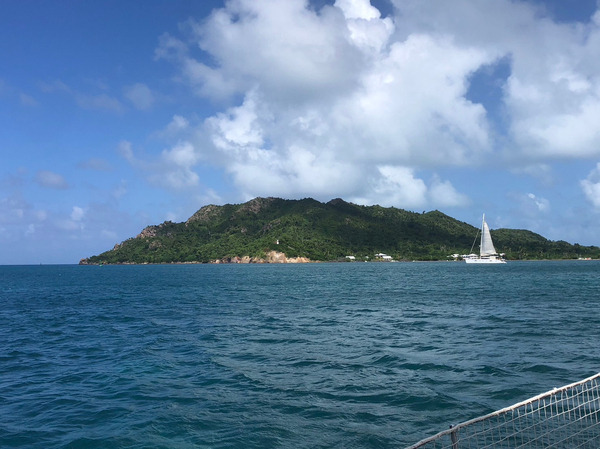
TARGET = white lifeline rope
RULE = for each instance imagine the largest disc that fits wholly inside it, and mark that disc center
(566, 417)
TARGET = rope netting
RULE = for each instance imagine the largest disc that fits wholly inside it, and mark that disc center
(566, 417)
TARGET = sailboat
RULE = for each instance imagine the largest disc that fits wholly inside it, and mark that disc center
(487, 252)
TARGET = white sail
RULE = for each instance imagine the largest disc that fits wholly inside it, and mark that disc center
(487, 246)
(487, 252)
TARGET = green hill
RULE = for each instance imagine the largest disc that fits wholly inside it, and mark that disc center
(321, 232)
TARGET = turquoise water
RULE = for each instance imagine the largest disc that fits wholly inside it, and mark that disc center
(355, 355)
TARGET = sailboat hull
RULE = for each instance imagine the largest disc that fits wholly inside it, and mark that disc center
(485, 260)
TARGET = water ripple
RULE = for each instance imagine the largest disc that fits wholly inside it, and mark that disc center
(331, 355)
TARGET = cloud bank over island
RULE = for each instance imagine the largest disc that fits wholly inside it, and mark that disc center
(343, 101)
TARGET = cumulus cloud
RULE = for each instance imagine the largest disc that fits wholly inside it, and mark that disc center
(46, 178)
(551, 97)
(396, 185)
(75, 221)
(367, 30)
(176, 167)
(358, 9)
(173, 169)
(443, 194)
(340, 101)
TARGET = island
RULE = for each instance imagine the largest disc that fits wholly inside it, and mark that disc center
(275, 230)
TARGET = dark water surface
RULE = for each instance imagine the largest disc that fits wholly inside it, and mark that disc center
(355, 355)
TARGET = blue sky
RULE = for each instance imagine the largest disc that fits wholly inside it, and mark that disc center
(117, 115)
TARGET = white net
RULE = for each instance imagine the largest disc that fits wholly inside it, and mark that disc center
(567, 417)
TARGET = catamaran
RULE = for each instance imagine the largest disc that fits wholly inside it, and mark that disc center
(487, 252)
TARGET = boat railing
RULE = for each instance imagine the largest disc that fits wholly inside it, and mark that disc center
(566, 417)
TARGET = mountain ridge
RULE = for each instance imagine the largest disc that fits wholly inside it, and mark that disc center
(271, 230)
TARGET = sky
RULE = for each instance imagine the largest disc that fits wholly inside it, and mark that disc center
(116, 115)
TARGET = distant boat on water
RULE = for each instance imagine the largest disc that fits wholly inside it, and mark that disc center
(487, 252)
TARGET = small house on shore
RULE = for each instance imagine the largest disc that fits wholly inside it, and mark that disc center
(384, 257)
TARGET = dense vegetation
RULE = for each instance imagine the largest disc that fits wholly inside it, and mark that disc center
(323, 232)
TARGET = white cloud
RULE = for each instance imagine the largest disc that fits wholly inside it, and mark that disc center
(541, 171)
(176, 167)
(397, 186)
(443, 194)
(140, 96)
(342, 102)
(77, 213)
(178, 124)
(275, 44)
(552, 96)
(12, 209)
(367, 31)
(68, 225)
(358, 9)
(31, 228)
(95, 164)
(542, 204)
(40, 215)
(119, 191)
(325, 132)
(100, 102)
(298, 172)
(411, 106)
(591, 187)
(173, 169)
(125, 150)
(182, 155)
(46, 178)
(84, 100)
(27, 100)
(54, 86)
(532, 211)
(170, 48)
(19, 219)
(237, 128)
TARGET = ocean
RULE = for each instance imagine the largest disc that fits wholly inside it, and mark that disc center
(334, 355)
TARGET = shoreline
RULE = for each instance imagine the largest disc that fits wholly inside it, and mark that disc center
(295, 261)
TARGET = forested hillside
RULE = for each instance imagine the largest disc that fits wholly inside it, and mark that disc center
(308, 229)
